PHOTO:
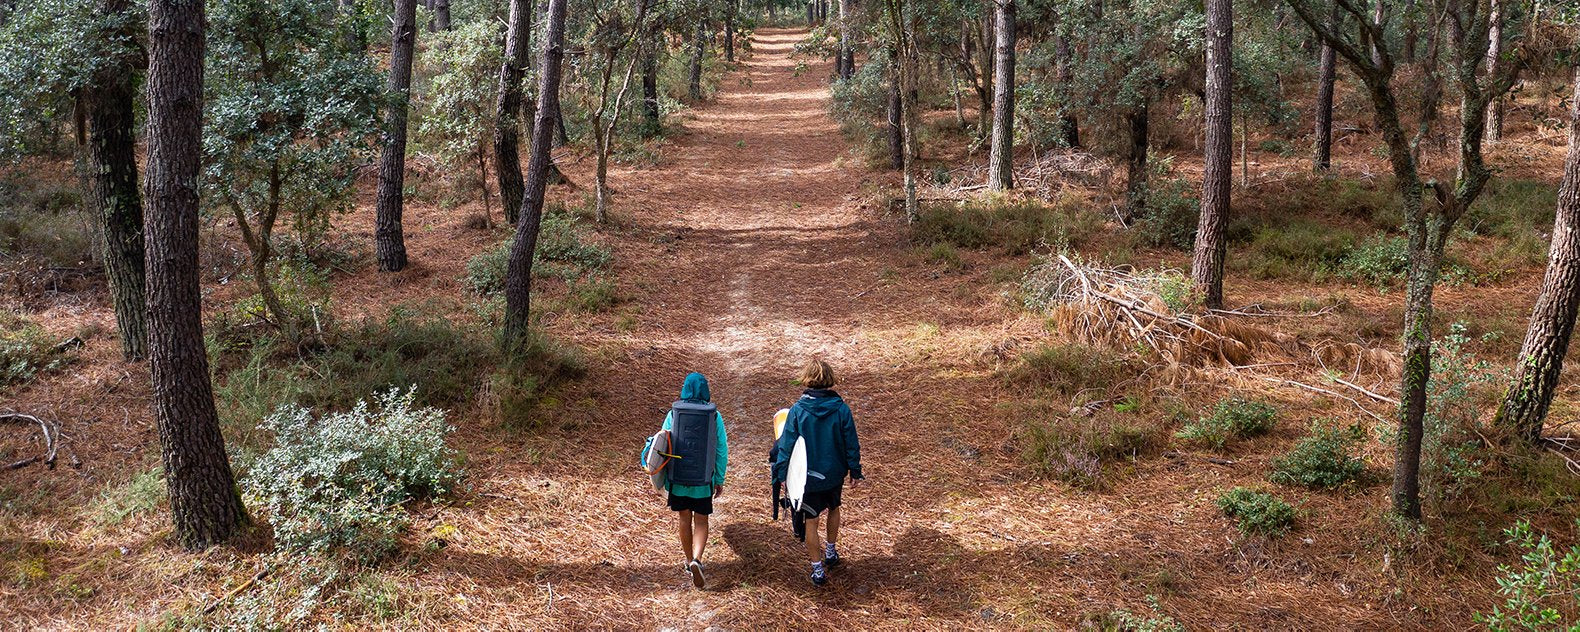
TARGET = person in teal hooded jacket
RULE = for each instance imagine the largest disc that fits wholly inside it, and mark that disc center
(821, 417)
(693, 504)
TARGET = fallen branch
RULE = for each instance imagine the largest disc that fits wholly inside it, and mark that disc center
(237, 590)
(1324, 391)
(50, 443)
(1381, 398)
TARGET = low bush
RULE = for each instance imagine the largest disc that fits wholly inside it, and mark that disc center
(1013, 227)
(1543, 591)
(1231, 418)
(1075, 450)
(1379, 260)
(27, 350)
(1069, 368)
(1297, 248)
(338, 481)
(562, 253)
(516, 390)
(1322, 460)
(1259, 513)
(46, 221)
(1172, 212)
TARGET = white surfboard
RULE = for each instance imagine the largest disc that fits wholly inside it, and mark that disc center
(657, 461)
(795, 475)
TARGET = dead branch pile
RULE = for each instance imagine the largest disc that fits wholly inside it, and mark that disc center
(1123, 308)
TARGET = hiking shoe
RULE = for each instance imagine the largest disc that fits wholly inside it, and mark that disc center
(831, 559)
(696, 574)
(819, 575)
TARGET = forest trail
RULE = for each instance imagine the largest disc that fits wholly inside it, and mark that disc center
(750, 246)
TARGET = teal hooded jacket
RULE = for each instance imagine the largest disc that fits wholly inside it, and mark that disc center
(832, 450)
(695, 389)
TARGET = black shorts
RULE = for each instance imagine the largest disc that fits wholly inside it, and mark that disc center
(813, 504)
(702, 506)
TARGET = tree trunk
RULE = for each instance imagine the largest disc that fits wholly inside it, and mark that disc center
(1411, 20)
(909, 116)
(1322, 150)
(389, 239)
(985, 93)
(652, 123)
(729, 31)
(441, 16)
(1207, 264)
(1494, 131)
(845, 60)
(694, 77)
(1001, 151)
(1136, 166)
(1541, 360)
(112, 184)
(518, 275)
(507, 109)
(896, 127)
(1069, 128)
(811, 14)
(204, 505)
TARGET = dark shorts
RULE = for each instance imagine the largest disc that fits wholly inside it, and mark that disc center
(813, 504)
(703, 506)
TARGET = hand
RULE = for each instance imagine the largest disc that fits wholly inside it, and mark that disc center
(718, 490)
(856, 482)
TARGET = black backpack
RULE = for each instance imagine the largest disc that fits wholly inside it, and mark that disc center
(694, 441)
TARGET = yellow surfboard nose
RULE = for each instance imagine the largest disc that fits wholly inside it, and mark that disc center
(779, 421)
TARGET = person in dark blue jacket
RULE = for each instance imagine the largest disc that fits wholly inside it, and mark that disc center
(832, 452)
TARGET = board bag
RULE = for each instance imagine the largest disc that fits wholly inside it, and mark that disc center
(694, 441)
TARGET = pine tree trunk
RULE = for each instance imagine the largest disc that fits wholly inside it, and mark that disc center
(729, 31)
(694, 77)
(1322, 151)
(652, 123)
(1001, 151)
(441, 15)
(389, 239)
(1136, 165)
(112, 185)
(204, 505)
(896, 127)
(507, 109)
(1541, 360)
(1207, 264)
(1069, 128)
(518, 275)
(985, 93)
(1494, 131)
(845, 62)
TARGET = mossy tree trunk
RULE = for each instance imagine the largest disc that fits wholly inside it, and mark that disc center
(112, 185)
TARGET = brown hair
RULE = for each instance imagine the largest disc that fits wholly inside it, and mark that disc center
(817, 374)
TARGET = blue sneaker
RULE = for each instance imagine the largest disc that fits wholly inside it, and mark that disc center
(819, 575)
(830, 556)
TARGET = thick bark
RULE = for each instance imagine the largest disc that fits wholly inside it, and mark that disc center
(518, 274)
(1322, 149)
(1494, 50)
(507, 109)
(112, 185)
(204, 504)
(1001, 151)
(895, 110)
(1207, 264)
(985, 91)
(729, 31)
(1069, 128)
(1541, 360)
(694, 76)
(1136, 165)
(389, 239)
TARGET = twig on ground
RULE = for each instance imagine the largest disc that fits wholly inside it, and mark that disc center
(51, 445)
(237, 590)
(1381, 398)
(1324, 391)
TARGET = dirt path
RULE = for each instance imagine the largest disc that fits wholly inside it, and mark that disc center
(746, 250)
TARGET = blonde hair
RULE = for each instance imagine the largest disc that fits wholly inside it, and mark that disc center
(817, 374)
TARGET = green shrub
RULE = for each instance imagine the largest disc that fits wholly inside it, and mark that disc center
(1231, 418)
(1075, 450)
(1453, 453)
(1543, 593)
(1170, 218)
(945, 255)
(1322, 460)
(516, 390)
(1126, 621)
(1297, 248)
(1380, 261)
(338, 481)
(27, 350)
(1259, 513)
(1068, 368)
(1013, 227)
(561, 253)
(45, 221)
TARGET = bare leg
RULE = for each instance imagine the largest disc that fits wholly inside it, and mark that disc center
(833, 526)
(699, 543)
(685, 533)
(814, 544)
